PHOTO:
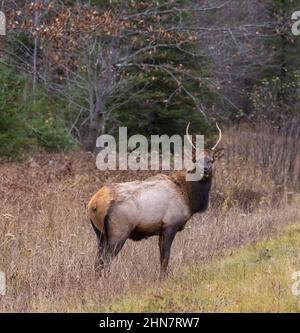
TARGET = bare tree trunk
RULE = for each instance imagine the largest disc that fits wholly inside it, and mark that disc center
(34, 75)
(98, 100)
(96, 119)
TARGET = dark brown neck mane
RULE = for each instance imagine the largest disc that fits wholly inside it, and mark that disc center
(196, 193)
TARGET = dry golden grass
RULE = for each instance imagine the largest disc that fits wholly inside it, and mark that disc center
(47, 246)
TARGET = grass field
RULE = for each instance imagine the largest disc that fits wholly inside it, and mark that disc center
(255, 278)
(47, 245)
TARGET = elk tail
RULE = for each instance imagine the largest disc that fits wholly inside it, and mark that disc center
(98, 209)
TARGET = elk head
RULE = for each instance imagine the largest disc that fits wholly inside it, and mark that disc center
(210, 155)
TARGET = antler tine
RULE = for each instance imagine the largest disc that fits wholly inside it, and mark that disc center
(220, 137)
(188, 136)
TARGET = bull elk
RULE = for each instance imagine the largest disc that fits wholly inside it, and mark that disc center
(158, 206)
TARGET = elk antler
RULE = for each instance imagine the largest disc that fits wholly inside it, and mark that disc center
(188, 136)
(220, 137)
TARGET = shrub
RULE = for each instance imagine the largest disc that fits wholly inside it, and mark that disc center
(28, 124)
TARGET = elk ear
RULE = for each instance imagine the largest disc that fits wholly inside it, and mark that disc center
(218, 153)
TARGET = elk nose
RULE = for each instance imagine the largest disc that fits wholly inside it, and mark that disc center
(206, 169)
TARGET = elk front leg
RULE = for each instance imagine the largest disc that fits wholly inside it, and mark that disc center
(165, 243)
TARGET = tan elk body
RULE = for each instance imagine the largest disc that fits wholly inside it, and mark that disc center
(160, 205)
